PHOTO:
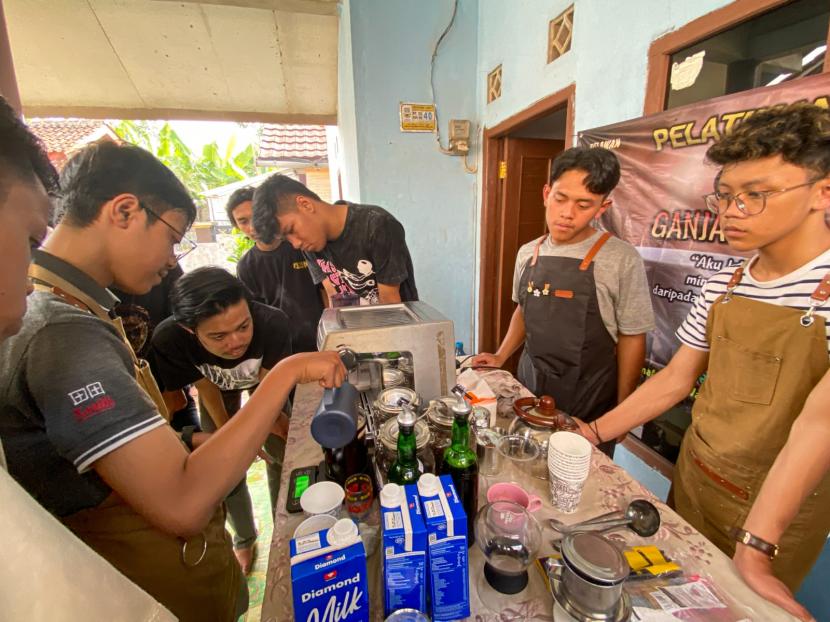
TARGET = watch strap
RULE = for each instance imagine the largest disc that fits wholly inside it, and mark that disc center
(748, 539)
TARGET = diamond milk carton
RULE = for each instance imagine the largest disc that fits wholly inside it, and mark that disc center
(328, 575)
(404, 549)
(446, 525)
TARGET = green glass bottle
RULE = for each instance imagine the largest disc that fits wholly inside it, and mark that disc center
(405, 469)
(460, 461)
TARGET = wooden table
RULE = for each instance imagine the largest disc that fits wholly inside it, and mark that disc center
(609, 487)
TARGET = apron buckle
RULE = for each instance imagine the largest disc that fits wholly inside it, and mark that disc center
(201, 556)
(807, 319)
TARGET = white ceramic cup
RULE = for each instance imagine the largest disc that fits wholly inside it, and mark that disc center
(313, 524)
(323, 498)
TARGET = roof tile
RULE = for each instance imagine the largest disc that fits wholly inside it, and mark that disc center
(61, 135)
(282, 142)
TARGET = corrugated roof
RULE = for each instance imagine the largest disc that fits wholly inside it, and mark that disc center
(283, 142)
(64, 135)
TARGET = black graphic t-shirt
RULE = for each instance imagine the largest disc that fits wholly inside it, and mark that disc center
(141, 314)
(372, 249)
(280, 278)
(178, 359)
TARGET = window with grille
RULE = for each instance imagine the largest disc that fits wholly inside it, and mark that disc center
(560, 33)
(494, 84)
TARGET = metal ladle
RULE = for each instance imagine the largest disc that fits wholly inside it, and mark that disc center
(641, 516)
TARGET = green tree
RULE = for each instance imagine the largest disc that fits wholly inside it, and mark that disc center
(200, 173)
(210, 169)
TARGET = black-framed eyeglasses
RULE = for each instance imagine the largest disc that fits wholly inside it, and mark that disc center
(184, 246)
(749, 203)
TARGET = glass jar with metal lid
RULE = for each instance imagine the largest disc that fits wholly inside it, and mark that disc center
(439, 417)
(388, 446)
(386, 405)
(393, 378)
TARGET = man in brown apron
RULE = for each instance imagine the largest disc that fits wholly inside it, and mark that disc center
(761, 333)
(37, 549)
(584, 303)
(79, 413)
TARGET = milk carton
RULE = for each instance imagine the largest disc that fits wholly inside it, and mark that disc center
(328, 576)
(446, 525)
(404, 549)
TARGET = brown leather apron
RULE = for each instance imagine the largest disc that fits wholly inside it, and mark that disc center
(763, 363)
(197, 579)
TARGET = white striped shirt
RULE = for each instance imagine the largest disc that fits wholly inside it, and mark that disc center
(792, 290)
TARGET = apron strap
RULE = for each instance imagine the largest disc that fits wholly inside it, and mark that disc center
(734, 281)
(46, 280)
(536, 248)
(594, 250)
(817, 299)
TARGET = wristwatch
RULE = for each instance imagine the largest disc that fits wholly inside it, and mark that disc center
(187, 436)
(744, 537)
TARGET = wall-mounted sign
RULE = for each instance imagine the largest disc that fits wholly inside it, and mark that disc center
(417, 117)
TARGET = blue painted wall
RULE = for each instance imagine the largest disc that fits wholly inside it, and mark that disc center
(429, 192)
(385, 50)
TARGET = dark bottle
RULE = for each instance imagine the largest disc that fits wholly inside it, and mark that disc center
(460, 461)
(405, 469)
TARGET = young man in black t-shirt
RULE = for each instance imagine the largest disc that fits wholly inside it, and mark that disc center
(141, 313)
(223, 343)
(277, 274)
(356, 251)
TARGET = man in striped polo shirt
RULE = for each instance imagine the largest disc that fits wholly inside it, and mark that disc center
(761, 334)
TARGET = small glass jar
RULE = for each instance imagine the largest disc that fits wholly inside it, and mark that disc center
(393, 378)
(439, 417)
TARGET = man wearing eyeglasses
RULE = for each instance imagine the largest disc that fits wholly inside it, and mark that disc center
(761, 334)
(80, 417)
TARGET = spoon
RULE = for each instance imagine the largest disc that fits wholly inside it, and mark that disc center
(556, 524)
(642, 517)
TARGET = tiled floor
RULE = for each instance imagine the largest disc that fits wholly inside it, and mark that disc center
(258, 487)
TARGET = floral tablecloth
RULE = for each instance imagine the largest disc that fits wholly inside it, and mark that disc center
(609, 487)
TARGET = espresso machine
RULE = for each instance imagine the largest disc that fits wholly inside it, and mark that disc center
(404, 350)
(419, 333)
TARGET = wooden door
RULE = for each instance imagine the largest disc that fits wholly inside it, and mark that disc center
(528, 162)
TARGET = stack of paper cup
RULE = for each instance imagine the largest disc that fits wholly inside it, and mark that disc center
(569, 461)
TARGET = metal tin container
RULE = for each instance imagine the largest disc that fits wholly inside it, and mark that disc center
(593, 573)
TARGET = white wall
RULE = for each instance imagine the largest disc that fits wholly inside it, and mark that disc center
(347, 160)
